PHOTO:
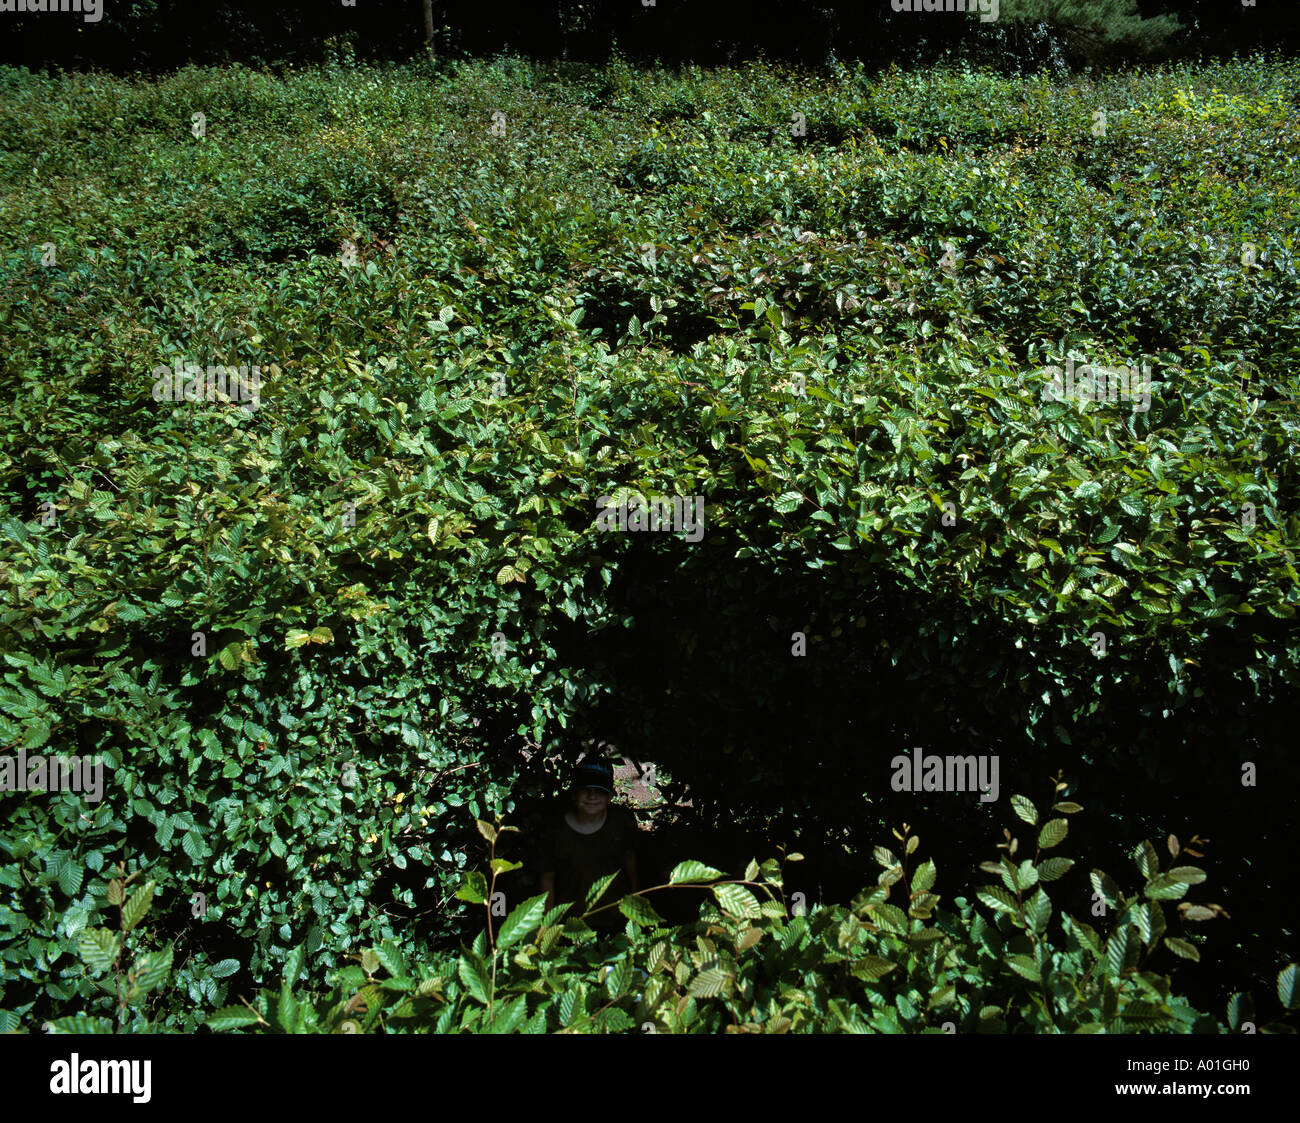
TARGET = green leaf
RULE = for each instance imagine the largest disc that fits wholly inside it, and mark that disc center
(1005, 869)
(923, 878)
(890, 917)
(509, 1018)
(1147, 1013)
(891, 876)
(1053, 832)
(923, 905)
(640, 912)
(70, 877)
(98, 949)
(555, 914)
(522, 921)
(1084, 933)
(1286, 987)
(1149, 920)
(135, 908)
(1052, 868)
(224, 968)
(287, 1010)
(1023, 965)
(690, 873)
(1183, 948)
(1145, 856)
(788, 502)
(737, 900)
(708, 983)
(1038, 910)
(884, 856)
(1103, 883)
(884, 1022)
(473, 974)
(1165, 888)
(871, 967)
(1025, 809)
(1117, 950)
(998, 899)
(599, 888)
(615, 1020)
(1188, 875)
(152, 968)
(390, 956)
(619, 979)
(473, 889)
(293, 964)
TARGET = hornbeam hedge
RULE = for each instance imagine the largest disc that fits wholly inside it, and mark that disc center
(310, 638)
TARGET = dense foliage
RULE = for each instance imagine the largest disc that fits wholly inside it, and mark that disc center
(311, 639)
(750, 966)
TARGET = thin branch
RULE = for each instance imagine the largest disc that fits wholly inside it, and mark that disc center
(260, 1020)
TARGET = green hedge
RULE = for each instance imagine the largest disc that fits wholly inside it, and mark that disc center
(751, 964)
(398, 542)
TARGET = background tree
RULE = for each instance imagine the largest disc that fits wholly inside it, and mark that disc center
(1094, 32)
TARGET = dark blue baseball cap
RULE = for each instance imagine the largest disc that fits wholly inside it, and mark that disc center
(594, 774)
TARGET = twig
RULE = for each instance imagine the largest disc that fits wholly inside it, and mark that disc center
(260, 1020)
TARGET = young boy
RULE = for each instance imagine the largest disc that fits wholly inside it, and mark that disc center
(593, 839)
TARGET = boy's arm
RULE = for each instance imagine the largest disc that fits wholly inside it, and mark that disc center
(548, 887)
(629, 868)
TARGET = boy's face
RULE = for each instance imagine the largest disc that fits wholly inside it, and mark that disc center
(591, 801)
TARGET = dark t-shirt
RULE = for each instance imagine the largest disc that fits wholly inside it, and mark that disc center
(580, 860)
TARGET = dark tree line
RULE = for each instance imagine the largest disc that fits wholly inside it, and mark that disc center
(159, 35)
